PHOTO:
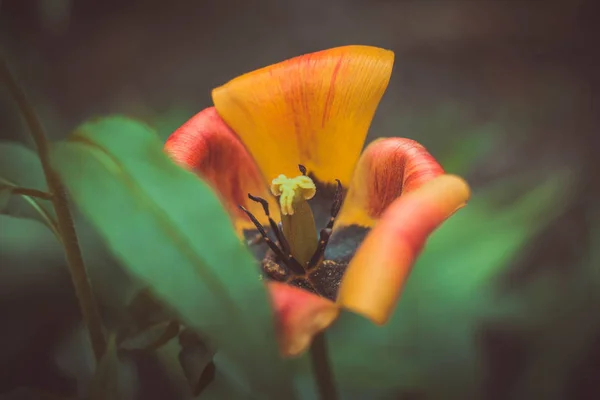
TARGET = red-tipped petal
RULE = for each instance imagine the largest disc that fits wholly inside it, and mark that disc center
(387, 169)
(300, 315)
(376, 275)
(207, 146)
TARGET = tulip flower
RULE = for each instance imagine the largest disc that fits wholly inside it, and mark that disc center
(332, 228)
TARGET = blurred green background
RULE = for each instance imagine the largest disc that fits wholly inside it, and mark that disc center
(504, 303)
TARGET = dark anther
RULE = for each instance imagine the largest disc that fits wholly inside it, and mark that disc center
(290, 261)
(258, 226)
(263, 202)
(337, 204)
(302, 169)
(323, 239)
(325, 233)
(278, 234)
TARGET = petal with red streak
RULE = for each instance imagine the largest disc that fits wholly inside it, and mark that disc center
(387, 169)
(207, 146)
(376, 275)
(313, 110)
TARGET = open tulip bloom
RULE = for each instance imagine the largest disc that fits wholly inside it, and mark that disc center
(332, 227)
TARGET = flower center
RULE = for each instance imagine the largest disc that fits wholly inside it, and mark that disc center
(297, 220)
(297, 250)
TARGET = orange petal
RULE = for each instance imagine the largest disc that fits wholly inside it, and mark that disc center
(207, 146)
(313, 110)
(376, 275)
(387, 169)
(300, 315)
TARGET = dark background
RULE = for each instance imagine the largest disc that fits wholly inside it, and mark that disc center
(508, 85)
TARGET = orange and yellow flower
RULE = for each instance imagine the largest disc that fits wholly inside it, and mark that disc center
(314, 111)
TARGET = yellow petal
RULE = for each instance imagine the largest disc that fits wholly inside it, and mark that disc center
(313, 110)
(387, 169)
(376, 275)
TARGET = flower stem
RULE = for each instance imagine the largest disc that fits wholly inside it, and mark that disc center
(83, 290)
(322, 368)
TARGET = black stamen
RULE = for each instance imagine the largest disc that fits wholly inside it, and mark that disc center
(263, 202)
(290, 261)
(323, 239)
(337, 204)
(278, 234)
(258, 225)
(325, 233)
(302, 169)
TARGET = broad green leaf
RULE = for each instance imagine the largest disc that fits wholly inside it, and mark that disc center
(169, 229)
(20, 166)
(429, 347)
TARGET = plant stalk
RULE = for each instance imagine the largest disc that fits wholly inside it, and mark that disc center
(30, 192)
(83, 289)
(322, 368)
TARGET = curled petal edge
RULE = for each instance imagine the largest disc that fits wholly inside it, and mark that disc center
(387, 169)
(377, 273)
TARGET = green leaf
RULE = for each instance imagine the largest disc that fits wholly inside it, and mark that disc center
(196, 360)
(150, 337)
(20, 166)
(169, 229)
(430, 346)
(105, 382)
(145, 309)
(221, 385)
(146, 324)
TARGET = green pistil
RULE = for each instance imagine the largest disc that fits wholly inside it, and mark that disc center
(297, 220)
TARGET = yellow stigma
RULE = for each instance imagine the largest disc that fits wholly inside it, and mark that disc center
(292, 190)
